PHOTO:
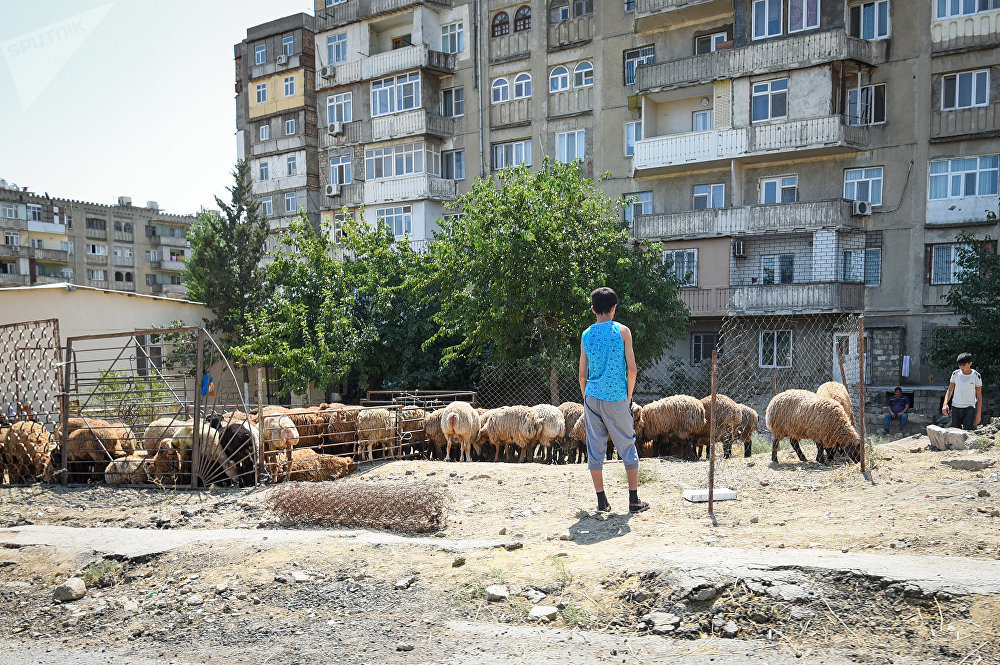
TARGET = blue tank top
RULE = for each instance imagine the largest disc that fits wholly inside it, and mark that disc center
(605, 349)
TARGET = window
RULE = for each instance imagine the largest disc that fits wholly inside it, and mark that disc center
(633, 134)
(8, 211)
(775, 348)
(92, 224)
(639, 203)
(629, 6)
(967, 176)
(289, 86)
(453, 102)
(260, 54)
(37, 243)
(128, 228)
(290, 202)
(265, 206)
(522, 86)
(949, 8)
(583, 74)
(783, 189)
(803, 15)
(69, 221)
(873, 266)
(291, 164)
(336, 48)
(264, 132)
(97, 250)
(559, 79)
(399, 93)
(289, 126)
(522, 19)
(645, 55)
(770, 100)
(340, 170)
(709, 196)
(338, 108)
(853, 266)
(965, 90)
(685, 265)
(263, 171)
(869, 20)
(11, 238)
(261, 93)
(582, 8)
(866, 105)
(766, 18)
(500, 25)
(702, 121)
(512, 154)
(570, 146)
(35, 214)
(864, 185)
(402, 41)
(97, 275)
(453, 165)
(702, 345)
(399, 219)
(151, 255)
(288, 45)
(452, 38)
(945, 268)
(777, 269)
(500, 91)
(331, 3)
(558, 11)
(709, 43)
(402, 159)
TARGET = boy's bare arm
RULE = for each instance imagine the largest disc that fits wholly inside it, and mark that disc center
(947, 396)
(583, 372)
(979, 405)
(631, 371)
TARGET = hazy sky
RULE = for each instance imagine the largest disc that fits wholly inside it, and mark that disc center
(108, 98)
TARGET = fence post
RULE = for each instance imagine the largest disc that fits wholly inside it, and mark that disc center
(711, 438)
(861, 390)
(260, 421)
(196, 423)
(67, 368)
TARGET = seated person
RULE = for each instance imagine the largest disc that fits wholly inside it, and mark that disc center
(899, 404)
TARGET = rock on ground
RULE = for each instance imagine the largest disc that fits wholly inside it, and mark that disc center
(72, 589)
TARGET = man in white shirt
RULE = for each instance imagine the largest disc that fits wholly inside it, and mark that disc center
(967, 386)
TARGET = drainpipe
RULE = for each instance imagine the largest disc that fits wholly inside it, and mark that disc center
(476, 83)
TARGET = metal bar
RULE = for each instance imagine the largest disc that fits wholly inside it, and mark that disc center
(711, 436)
(64, 431)
(260, 422)
(861, 389)
(196, 424)
(151, 331)
(843, 374)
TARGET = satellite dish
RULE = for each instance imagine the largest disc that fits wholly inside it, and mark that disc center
(13, 186)
(3, 184)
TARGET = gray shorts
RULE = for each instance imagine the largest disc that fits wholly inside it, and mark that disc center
(613, 419)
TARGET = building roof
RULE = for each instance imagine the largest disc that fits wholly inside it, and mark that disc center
(68, 286)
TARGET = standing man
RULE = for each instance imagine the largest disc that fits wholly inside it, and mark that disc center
(899, 404)
(967, 386)
(607, 379)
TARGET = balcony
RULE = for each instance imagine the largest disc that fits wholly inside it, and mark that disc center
(962, 32)
(572, 32)
(751, 220)
(12, 223)
(51, 279)
(351, 195)
(97, 234)
(283, 144)
(385, 63)
(170, 241)
(121, 285)
(98, 283)
(172, 265)
(7, 279)
(510, 114)
(351, 133)
(415, 187)
(706, 302)
(810, 298)
(811, 137)
(124, 261)
(155, 288)
(272, 67)
(122, 236)
(571, 102)
(513, 46)
(976, 122)
(660, 14)
(13, 251)
(418, 122)
(50, 255)
(777, 55)
(154, 264)
(96, 260)
(36, 226)
(298, 180)
(356, 10)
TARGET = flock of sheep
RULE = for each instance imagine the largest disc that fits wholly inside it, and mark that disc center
(325, 442)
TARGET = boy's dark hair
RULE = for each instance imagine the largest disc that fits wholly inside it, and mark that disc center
(964, 358)
(897, 388)
(603, 299)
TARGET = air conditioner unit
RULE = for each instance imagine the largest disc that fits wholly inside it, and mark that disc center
(335, 128)
(328, 71)
(282, 59)
(333, 190)
(861, 208)
(15, 248)
(739, 249)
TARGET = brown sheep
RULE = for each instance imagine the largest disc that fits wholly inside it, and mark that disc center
(553, 430)
(376, 431)
(513, 425)
(411, 429)
(577, 439)
(89, 447)
(572, 412)
(129, 470)
(26, 452)
(801, 414)
(308, 465)
(460, 425)
(671, 420)
(749, 421)
(310, 425)
(727, 418)
(342, 430)
(836, 391)
(164, 467)
(157, 431)
(436, 438)
(3, 442)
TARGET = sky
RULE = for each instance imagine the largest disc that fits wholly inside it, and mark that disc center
(108, 98)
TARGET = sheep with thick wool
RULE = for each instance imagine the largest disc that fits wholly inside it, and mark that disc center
(157, 431)
(460, 425)
(164, 467)
(432, 427)
(376, 431)
(310, 425)
(26, 452)
(341, 429)
(130, 470)
(801, 414)
(577, 438)
(749, 420)
(513, 425)
(280, 434)
(670, 422)
(727, 418)
(308, 465)
(552, 433)
(92, 443)
(572, 412)
(411, 429)
(210, 451)
(836, 391)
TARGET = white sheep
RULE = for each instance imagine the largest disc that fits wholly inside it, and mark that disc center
(801, 414)
(514, 425)
(209, 449)
(376, 430)
(553, 429)
(671, 421)
(460, 425)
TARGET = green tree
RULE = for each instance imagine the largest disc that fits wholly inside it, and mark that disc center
(514, 273)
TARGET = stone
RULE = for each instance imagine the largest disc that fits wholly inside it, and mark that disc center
(191, 512)
(195, 600)
(754, 520)
(543, 613)
(298, 576)
(130, 606)
(405, 582)
(496, 593)
(503, 531)
(458, 561)
(534, 595)
(72, 589)
(404, 646)
(221, 587)
(801, 613)
(730, 629)
(789, 593)
(515, 545)
(640, 596)
(661, 622)
(969, 464)
(984, 493)
(949, 438)
(702, 594)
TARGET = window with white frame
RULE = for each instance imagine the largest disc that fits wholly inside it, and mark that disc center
(11, 238)
(684, 263)
(397, 93)
(803, 15)
(453, 102)
(340, 170)
(511, 153)
(37, 243)
(965, 90)
(8, 268)
(453, 165)
(500, 90)
(709, 43)
(265, 206)
(290, 202)
(97, 275)
(263, 171)
(702, 345)
(336, 48)
(873, 266)
(558, 11)
(260, 54)
(864, 185)
(522, 86)
(570, 146)
(770, 100)
(644, 55)
(766, 18)
(633, 134)
(558, 79)
(945, 268)
(292, 165)
(8, 211)
(583, 74)
(709, 196)
(338, 108)
(331, 3)
(97, 250)
(289, 82)
(777, 269)
(398, 218)
(966, 176)
(950, 8)
(264, 132)
(869, 20)
(289, 126)
(452, 38)
(702, 121)
(288, 45)
(35, 214)
(638, 203)
(783, 189)
(261, 93)
(866, 105)
(152, 255)
(775, 348)
(402, 159)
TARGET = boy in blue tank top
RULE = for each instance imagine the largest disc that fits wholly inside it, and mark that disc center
(607, 379)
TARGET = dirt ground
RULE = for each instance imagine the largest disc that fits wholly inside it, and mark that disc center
(371, 600)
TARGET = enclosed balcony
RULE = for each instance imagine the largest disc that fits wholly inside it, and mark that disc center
(660, 14)
(418, 122)
(965, 123)
(343, 13)
(414, 187)
(809, 298)
(571, 32)
(748, 220)
(383, 64)
(767, 57)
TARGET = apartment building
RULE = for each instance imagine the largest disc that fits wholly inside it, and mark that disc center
(802, 158)
(119, 247)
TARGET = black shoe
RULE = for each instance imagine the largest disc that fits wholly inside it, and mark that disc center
(638, 507)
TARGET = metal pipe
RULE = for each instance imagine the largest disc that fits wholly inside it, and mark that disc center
(711, 436)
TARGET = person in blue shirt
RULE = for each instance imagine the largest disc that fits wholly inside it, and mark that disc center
(607, 380)
(899, 404)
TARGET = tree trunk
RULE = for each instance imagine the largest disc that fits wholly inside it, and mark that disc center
(554, 386)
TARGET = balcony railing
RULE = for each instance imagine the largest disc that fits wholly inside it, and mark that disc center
(155, 288)
(51, 279)
(172, 265)
(283, 144)
(96, 260)
(966, 122)
(97, 234)
(98, 283)
(409, 188)
(351, 195)
(776, 55)
(13, 251)
(659, 13)
(798, 298)
(571, 32)
(961, 32)
(706, 302)
(570, 102)
(356, 10)
(417, 122)
(351, 133)
(387, 62)
(514, 112)
(51, 255)
(122, 236)
(124, 261)
(171, 241)
(816, 136)
(755, 219)
(513, 46)
(17, 224)
(8, 279)
(121, 285)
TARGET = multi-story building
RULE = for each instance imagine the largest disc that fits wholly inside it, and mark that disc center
(807, 158)
(121, 247)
